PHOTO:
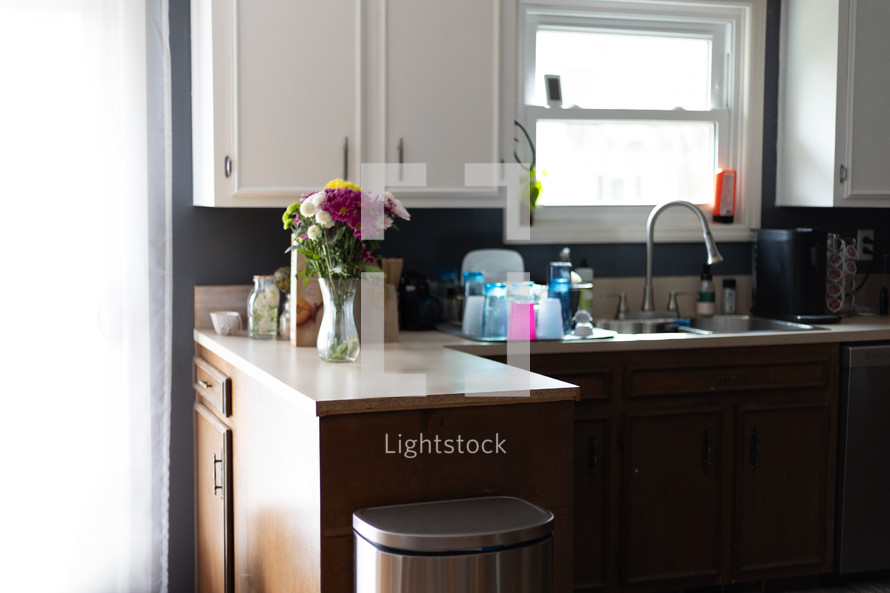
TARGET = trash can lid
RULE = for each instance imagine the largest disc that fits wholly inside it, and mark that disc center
(454, 525)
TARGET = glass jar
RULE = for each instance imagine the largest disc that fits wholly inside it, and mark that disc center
(494, 313)
(559, 280)
(262, 308)
(474, 297)
(284, 317)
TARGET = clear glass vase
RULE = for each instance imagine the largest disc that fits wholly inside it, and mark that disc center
(338, 337)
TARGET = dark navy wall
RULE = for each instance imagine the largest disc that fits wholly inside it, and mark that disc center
(222, 246)
(441, 237)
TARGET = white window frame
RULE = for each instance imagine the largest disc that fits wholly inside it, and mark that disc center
(738, 112)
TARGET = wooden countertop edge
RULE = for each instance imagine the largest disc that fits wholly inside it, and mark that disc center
(441, 401)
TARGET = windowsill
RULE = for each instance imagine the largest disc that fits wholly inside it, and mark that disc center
(674, 225)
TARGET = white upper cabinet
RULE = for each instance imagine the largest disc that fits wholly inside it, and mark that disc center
(275, 99)
(439, 99)
(288, 94)
(834, 128)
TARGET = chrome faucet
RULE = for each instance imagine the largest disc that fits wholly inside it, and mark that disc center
(713, 254)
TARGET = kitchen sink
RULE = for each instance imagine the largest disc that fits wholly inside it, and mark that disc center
(656, 325)
(718, 324)
(734, 324)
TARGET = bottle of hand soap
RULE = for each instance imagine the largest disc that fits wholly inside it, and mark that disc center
(706, 304)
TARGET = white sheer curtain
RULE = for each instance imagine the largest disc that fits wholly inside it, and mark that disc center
(84, 242)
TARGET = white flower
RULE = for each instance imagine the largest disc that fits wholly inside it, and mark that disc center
(314, 232)
(308, 208)
(397, 208)
(323, 217)
(272, 293)
(317, 198)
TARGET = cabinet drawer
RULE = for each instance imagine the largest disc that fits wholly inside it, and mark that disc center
(678, 379)
(211, 384)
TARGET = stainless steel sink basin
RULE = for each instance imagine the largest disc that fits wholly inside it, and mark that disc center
(718, 324)
(655, 325)
(735, 324)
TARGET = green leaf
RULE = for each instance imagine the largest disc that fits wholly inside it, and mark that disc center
(372, 268)
(309, 253)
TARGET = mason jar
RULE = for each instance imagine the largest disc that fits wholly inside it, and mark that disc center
(262, 308)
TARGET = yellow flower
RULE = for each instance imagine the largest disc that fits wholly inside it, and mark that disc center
(339, 183)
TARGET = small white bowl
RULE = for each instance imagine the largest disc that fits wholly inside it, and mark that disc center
(226, 323)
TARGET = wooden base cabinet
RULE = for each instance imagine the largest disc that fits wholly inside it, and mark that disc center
(672, 497)
(591, 521)
(784, 504)
(296, 478)
(701, 467)
(214, 569)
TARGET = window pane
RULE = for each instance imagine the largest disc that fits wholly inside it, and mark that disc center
(625, 163)
(624, 70)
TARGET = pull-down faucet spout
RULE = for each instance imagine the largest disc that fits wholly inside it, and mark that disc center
(713, 254)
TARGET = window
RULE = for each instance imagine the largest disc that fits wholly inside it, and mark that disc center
(656, 96)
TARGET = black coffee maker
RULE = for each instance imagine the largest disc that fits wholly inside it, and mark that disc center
(789, 275)
(418, 310)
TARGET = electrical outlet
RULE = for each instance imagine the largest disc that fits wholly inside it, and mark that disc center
(861, 235)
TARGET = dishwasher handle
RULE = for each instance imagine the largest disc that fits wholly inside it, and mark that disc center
(866, 355)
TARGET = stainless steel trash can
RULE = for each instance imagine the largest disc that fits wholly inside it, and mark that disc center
(472, 545)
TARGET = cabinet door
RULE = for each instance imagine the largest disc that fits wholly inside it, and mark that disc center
(783, 485)
(834, 136)
(441, 89)
(672, 499)
(275, 99)
(214, 570)
(591, 546)
(864, 84)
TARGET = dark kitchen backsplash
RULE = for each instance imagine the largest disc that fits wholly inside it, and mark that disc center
(233, 245)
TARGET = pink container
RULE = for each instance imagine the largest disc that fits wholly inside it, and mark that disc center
(522, 322)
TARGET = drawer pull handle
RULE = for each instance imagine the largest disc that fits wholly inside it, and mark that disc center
(734, 378)
(227, 166)
(754, 449)
(592, 458)
(345, 158)
(216, 461)
(205, 384)
(705, 451)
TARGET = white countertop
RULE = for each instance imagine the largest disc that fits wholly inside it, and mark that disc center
(434, 369)
(417, 372)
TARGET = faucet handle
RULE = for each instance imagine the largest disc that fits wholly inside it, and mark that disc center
(622, 303)
(672, 300)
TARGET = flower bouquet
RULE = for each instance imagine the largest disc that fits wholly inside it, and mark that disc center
(337, 231)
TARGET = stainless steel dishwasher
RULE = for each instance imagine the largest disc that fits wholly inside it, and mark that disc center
(863, 517)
